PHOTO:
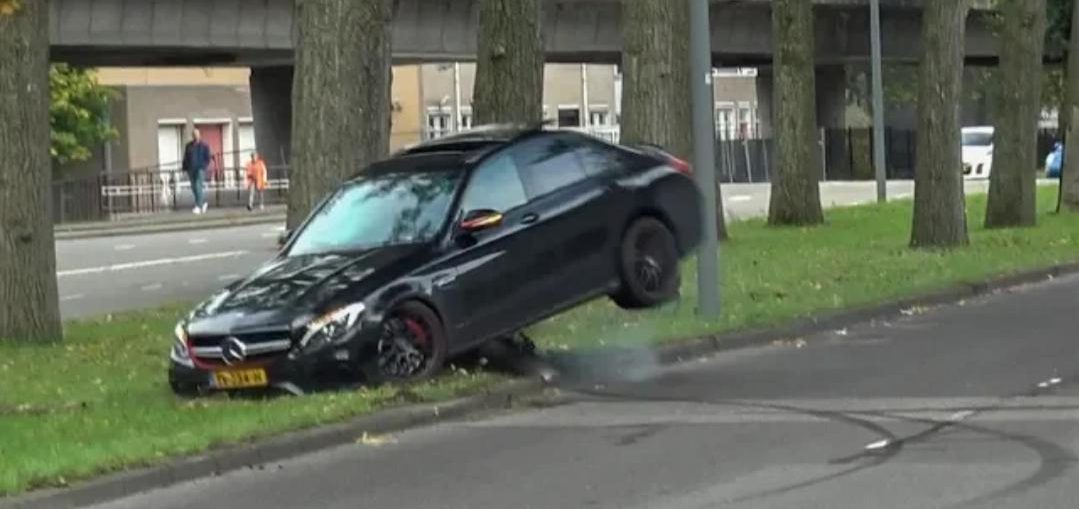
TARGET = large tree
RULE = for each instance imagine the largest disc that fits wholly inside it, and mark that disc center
(341, 96)
(796, 188)
(1069, 178)
(509, 66)
(1012, 184)
(656, 97)
(29, 306)
(939, 205)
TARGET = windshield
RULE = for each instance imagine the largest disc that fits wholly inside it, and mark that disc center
(390, 209)
(977, 139)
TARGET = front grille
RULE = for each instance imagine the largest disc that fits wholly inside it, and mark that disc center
(256, 347)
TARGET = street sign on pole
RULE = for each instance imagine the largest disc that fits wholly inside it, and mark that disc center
(704, 160)
(878, 103)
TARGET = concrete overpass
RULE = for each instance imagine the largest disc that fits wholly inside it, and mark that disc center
(259, 32)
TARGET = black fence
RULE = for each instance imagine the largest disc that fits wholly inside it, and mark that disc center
(111, 196)
(846, 154)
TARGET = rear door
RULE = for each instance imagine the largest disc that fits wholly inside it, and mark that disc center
(569, 211)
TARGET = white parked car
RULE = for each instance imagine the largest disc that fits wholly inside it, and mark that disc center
(977, 152)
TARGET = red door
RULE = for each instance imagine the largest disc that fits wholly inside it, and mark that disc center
(213, 135)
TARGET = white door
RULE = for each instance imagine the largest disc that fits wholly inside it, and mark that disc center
(169, 159)
(247, 142)
(169, 147)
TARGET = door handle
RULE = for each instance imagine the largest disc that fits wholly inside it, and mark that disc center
(530, 218)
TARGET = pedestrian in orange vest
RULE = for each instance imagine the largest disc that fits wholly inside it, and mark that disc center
(256, 180)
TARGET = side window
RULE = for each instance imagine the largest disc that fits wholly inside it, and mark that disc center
(547, 164)
(495, 185)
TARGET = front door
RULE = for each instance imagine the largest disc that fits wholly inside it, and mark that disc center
(486, 294)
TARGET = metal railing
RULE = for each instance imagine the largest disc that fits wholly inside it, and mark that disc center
(111, 196)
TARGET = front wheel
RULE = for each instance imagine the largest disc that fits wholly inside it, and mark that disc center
(648, 265)
(411, 346)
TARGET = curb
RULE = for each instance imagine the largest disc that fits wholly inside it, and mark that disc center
(62, 233)
(291, 444)
(257, 453)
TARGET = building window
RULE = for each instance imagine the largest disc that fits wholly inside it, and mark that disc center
(438, 124)
(569, 116)
(599, 118)
(725, 126)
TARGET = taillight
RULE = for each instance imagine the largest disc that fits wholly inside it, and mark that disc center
(680, 165)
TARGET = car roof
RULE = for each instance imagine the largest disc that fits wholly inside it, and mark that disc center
(444, 161)
(458, 151)
(477, 140)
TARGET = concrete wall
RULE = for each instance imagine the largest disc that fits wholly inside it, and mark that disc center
(147, 105)
(408, 113)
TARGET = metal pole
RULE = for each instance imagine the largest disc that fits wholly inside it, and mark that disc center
(456, 98)
(704, 156)
(878, 103)
(586, 119)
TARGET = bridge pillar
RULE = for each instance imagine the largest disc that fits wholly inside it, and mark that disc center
(271, 107)
(831, 83)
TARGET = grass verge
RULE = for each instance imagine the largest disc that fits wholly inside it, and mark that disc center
(859, 257)
(99, 401)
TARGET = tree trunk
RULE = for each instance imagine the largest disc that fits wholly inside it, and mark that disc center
(656, 95)
(1013, 181)
(1069, 177)
(509, 65)
(939, 206)
(29, 305)
(340, 96)
(795, 196)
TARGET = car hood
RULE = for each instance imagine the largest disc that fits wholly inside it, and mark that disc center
(285, 288)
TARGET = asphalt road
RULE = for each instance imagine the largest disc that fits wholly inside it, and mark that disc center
(965, 406)
(110, 274)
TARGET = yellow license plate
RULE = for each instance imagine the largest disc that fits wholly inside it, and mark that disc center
(240, 378)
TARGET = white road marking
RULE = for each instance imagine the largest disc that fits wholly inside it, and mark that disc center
(739, 198)
(961, 416)
(149, 263)
(124, 247)
(196, 241)
(228, 277)
(150, 288)
(76, 296)
(878, 445)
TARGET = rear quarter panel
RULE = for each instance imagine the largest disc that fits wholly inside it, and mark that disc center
(673, 197)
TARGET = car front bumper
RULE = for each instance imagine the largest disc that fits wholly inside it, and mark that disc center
(293, 372)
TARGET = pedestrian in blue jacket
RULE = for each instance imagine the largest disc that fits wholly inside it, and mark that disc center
(197, 159)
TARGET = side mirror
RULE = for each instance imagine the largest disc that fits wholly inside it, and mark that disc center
(479, 220)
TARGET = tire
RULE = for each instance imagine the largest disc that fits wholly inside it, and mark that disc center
(409, 328)
(649, 267)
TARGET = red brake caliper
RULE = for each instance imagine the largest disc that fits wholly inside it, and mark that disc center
(417, 331)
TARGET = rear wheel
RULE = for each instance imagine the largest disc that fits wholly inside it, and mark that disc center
(412, 345)
(648, 265)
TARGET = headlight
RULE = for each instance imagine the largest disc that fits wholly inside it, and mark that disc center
(179, 353)
(331, 326)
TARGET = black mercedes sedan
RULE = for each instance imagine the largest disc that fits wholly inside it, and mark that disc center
(442, 247)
